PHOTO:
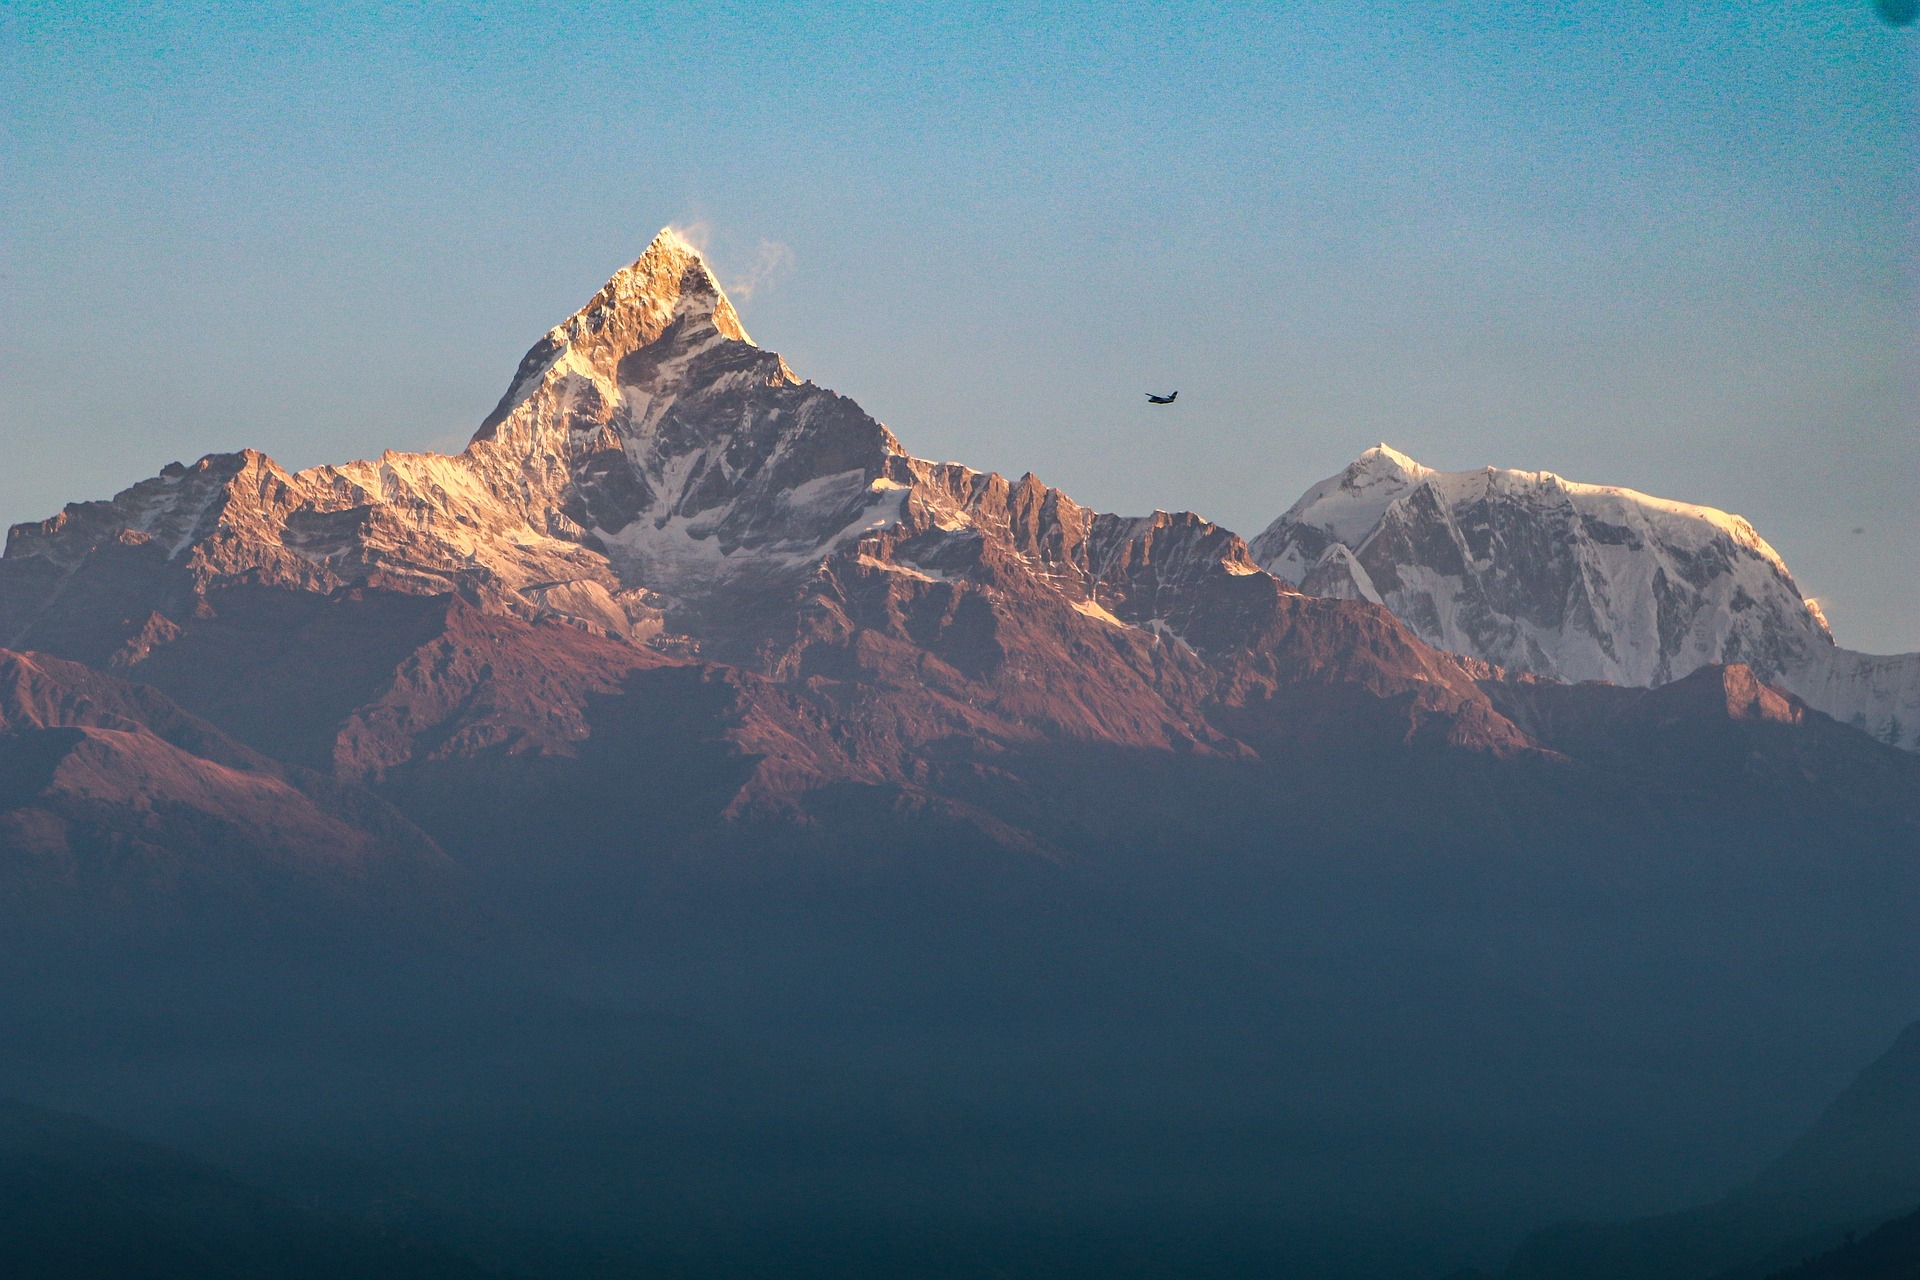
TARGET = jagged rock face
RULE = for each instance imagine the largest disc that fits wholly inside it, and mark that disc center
(1541, 575)
(651, 428)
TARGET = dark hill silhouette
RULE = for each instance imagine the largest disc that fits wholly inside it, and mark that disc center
(1890, 1252)
(1857, 1166)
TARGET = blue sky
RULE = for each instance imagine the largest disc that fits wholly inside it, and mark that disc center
(1671, 246)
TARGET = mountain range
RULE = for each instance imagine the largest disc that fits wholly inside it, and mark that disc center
(685, 829)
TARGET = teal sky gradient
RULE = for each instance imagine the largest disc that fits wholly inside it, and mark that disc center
(1670, 246)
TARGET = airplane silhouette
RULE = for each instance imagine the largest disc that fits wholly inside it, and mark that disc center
(1166, 399)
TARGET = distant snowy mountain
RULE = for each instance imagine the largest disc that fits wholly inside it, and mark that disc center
(1538, 574)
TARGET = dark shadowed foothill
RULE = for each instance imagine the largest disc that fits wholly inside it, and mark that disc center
(82, 1202)
(1856, 1170)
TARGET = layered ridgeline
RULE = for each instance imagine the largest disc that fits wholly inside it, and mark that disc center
(1538, 574)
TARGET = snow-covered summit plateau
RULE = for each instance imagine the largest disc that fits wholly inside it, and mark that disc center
(1539, 574)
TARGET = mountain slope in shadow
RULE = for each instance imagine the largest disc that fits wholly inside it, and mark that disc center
(1857, 1166)
(120, 811)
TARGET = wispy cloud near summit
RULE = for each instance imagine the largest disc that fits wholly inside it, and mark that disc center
(770, 260)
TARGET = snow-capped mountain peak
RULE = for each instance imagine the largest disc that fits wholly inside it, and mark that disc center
(646, 411)
(1342, 508)
(1385, 460)
(668, 287)
(669, 282)
(1536, 573)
